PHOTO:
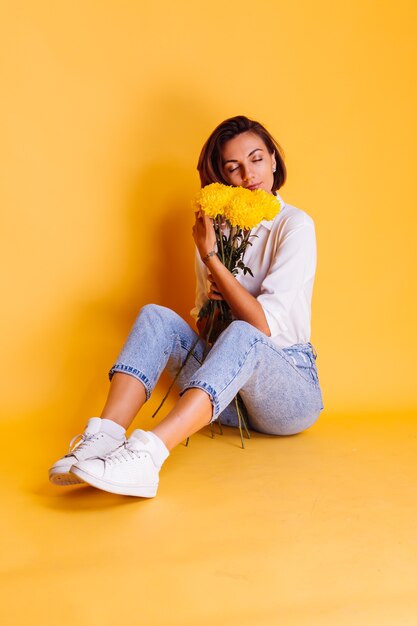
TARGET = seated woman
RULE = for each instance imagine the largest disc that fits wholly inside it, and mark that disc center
(265, 354)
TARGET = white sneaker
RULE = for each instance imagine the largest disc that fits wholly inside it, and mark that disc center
(92, 443)
(131, 470)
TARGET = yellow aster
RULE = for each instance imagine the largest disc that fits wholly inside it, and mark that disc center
(247, 208)
(213, 199)
(269, 202)
(241, 207)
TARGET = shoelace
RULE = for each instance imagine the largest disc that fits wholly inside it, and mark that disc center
(125, 453)
(83, 441)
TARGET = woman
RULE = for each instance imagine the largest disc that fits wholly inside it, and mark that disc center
(265, 354)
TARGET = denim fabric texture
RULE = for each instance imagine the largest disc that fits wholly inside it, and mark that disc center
(279, 386)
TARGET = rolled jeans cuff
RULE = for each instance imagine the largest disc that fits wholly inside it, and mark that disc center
(132, 371)
(197, 384)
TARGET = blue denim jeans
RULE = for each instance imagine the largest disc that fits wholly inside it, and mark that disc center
(279, 386)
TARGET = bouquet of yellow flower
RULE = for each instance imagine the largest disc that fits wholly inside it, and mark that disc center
(241, 207)
(235, 211)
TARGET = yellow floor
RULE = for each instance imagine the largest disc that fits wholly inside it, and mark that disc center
(316, 529)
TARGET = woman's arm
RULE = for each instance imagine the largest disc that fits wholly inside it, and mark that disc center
(243, 305)
(224, 285)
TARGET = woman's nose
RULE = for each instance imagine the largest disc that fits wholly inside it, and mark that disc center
(246, 174)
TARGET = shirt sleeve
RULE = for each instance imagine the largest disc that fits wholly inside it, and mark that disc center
(201, 285)
(292, 268)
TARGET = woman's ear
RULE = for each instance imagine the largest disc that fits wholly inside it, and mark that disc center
(274, 162)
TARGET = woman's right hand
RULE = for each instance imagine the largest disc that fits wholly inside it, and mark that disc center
(203, 234)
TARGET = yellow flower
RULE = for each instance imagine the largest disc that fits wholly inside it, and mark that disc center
(213, 199)
(241, 207)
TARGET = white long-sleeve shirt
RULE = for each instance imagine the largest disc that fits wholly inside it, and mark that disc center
(283, 262)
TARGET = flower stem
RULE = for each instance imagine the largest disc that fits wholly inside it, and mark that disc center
(176, 376)
(241, 419)
(219, 236)
(231, 235)
(210, 330)
(220, 425)
(243, 410)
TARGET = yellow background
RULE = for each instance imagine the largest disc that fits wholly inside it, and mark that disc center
(104, 108)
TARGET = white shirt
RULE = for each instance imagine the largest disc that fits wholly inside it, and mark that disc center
(283, 262)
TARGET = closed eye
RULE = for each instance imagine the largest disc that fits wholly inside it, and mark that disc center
(234, 169)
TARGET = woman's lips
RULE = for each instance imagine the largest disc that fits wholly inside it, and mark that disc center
(252, 187)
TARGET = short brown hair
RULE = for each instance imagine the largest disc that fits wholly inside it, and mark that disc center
(210, 165)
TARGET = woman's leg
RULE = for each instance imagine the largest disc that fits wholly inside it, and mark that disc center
(192, 411)
(159, 338)
(242, 360)
(296, 401)
(279, 387)
(126, 397)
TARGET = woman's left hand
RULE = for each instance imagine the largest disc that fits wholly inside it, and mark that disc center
(203, 233)
(214, 293)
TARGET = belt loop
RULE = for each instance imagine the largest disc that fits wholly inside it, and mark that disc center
(314, 351)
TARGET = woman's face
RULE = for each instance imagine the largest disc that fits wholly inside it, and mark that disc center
(247, 162)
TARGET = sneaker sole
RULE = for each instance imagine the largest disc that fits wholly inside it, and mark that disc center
(141, 491)
(64, 479)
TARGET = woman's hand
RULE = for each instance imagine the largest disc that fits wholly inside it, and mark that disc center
(203, 234)
(214, 292)
(223, 284)
(203, 324)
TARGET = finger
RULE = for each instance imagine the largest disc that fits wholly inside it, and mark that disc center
(207, 220)
(199, 215)
(215, 292)
(214, 288)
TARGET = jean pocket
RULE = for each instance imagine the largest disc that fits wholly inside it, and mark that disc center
(305, 363)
